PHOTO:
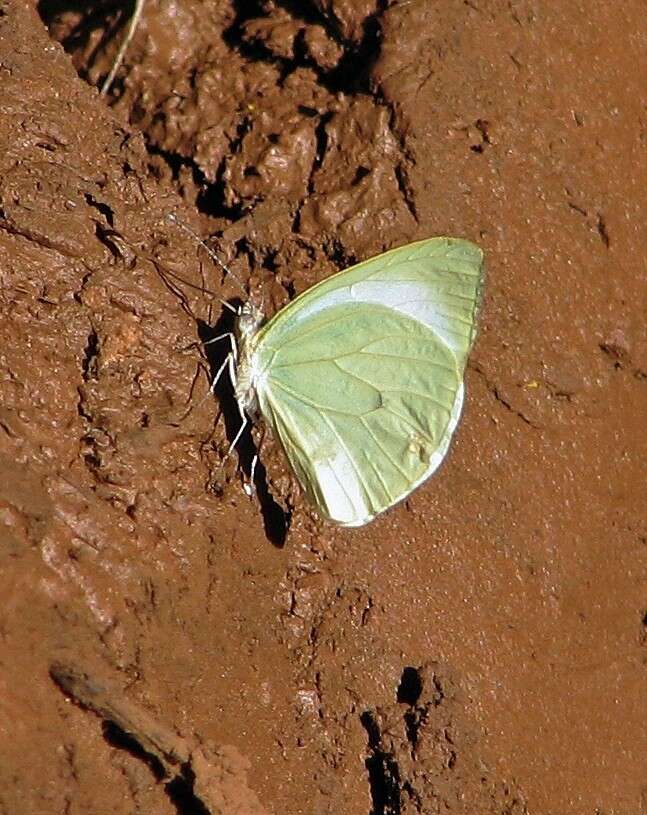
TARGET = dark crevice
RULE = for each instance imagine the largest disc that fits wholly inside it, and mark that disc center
(179, 789)
(175, 162)
(81, 410)
(405, 190)
(308, 13)
(401, 174)
(360, 173)
(107, 238)
(617, 353)
(121, 740)
(90, 356)
(439, 691)
(321, 141)
(497, 395)
(107, 16)
(288, 285)
(383, 771)
(345, 77)
(577, 208)
(104, 209)
(269, 262)
(413, 794)
(254, 50)
(482, 126)
(321, 138)
(211, 201)
(603, 231)
(211, 198)
(338, 254)
(409, 692)
(413, 721)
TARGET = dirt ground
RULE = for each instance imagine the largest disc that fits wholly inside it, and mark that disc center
(169, 645)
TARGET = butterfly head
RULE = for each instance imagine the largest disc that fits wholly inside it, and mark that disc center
(248, 320)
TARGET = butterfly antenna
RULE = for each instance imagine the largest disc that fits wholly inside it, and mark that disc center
(175, 220)
(134, 21)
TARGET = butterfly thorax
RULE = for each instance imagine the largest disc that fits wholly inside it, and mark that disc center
(248, 321)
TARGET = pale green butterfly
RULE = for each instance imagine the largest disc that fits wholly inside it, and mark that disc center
(360, 378)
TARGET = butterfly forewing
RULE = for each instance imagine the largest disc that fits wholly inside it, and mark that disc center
(437, 282)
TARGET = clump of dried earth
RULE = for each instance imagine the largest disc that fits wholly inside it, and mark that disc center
(169, 645)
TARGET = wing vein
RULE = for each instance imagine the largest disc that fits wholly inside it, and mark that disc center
(363, 350)
(412, 425)
(385, 451)
(306, 401)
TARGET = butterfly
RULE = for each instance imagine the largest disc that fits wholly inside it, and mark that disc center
(360, 378)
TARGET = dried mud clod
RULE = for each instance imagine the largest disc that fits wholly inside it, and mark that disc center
(200, 778)
(279, 131)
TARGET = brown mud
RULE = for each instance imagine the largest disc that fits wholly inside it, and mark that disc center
(167, 644)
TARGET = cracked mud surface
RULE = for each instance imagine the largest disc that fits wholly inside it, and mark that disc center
(482, 648)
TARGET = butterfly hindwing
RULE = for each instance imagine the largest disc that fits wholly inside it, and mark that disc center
(360, 419)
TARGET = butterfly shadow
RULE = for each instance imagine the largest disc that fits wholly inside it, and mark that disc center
(275, 520)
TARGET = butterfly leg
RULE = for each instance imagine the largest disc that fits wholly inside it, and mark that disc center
(240, 431)
(232, 356)
(219, 372)
(221, 337)
(250, 487)
(230, 360)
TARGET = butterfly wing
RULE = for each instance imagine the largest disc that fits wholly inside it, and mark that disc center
(361, 376)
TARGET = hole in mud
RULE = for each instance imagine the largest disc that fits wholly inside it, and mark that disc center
(336, 251)
(383, 771)
(211, 197)
(483, 128)
(360, 173)
(345, 77)
(410, 687)
(175, 163)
